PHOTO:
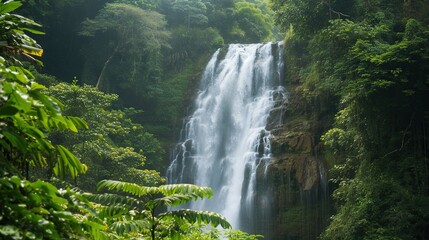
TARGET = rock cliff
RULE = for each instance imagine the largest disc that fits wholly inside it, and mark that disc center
(297, 172)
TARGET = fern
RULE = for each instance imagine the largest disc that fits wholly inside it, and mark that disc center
(173, 200)
(167, 190)
(122, 211)
(196, 216)
(126, 226)
(197, 191)
(112, 199)
(110, 212)
(127, 187)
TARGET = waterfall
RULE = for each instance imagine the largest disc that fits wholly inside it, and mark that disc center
(225, 144)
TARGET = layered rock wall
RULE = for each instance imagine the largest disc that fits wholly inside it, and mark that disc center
(297, 172)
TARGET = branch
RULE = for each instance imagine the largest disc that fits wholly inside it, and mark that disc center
(103, 71)
(403, 139)
(338, 13)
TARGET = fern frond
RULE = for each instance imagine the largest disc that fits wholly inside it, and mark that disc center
(111, 212)
(127, 187)
(196, 216)
(167, 190)
(102, 235)
(96, 228)
(196, 191)
(126, 226)
(173, 200)
(111, 199)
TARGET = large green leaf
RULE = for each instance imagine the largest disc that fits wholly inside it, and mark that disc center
(197, 191)
(111, 212)
(196, 216)
(126, 226)
(9, 6)
(111, 199)
(8, 111)
(67, 161)
(127, 187)
(16, 140)
(193, 191)
(175, 200)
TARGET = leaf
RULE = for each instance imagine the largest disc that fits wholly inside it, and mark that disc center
(126, 226)
(32, 50)
(173, 200)
(198, 191)
(21, 101)
(34, 31)
(111, 199)
(8, 111)
(9, 230)
(112, 211)
(78, 122)
(70, 125)
(9, 7)
(17, 141)
(46, 101)
(193, 216)
(37, 86)
(66, 160)
(127, 187)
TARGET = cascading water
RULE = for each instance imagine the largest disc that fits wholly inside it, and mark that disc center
(225, 144)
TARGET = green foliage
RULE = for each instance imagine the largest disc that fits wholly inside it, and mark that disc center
(136, 215)
(26, 113)
(190, 13)
(131, 33)
(115, 146)
(37, 210)
(305, 16)
(370, 67)
(378, 207)
(32, 210)
(35, 132)
(388, 76)
(251, 24)
(144, 4)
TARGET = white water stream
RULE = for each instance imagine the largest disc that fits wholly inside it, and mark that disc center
(225, 144)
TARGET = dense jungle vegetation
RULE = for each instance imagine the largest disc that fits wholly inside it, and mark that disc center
(365, 65)
(87, 121)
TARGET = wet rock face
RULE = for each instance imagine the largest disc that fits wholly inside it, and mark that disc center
(303, 168)
(296, 172)
(293, 144)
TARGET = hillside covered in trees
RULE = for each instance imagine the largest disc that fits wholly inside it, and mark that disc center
(87, 121)
(363, 68)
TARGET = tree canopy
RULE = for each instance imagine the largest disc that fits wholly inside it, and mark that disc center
(367, 62)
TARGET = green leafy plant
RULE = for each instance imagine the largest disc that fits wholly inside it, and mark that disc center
(26, 113)
(39, 210)
(137, 214)
(114, 146)
(32, 210)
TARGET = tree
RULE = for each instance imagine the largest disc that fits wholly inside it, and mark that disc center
(369, 70)
(31, 210)
(26, 113)
(137, 213)
(130, 33)
(252, 25)
(144, 4)
(308, 17)
(115, 146)
(190, 13)
(39, 210)
(61, 20)
(378, 151)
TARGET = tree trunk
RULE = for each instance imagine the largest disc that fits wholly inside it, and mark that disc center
(103, 71)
